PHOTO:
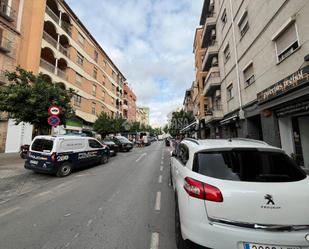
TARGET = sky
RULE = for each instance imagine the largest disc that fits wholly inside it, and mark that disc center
(151, 42)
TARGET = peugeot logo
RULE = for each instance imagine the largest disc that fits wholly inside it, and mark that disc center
(269, 199)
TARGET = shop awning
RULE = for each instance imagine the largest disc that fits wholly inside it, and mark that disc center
(90, 118)
(187, 128)
(229, 120)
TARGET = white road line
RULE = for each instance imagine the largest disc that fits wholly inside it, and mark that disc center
(144, 154)
(9, 211)
(89, 222)
(161, 168)
(100, 208)
(67, 245)
(162, 158)
(154, 243)
(160, 179)
(158, 201)
(4, 201)
(162, 162)
(76, 235)
(43, 193)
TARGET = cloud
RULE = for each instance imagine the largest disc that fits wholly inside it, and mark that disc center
(151, 43)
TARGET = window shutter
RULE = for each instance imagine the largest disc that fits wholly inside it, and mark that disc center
(286, 39)
(248, 72)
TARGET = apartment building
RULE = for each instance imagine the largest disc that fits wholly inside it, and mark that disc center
(129, 103)
(53, 41)
(142, 115)
(257, 82)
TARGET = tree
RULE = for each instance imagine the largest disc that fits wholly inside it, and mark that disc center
(28, 97)
(179, 121)
(165, 129)
(103, 125)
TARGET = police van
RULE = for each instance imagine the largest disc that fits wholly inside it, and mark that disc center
(60, 155)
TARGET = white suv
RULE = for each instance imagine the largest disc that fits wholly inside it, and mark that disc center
(238, 194)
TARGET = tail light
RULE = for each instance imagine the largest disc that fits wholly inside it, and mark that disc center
(54, 157)
(202, 190)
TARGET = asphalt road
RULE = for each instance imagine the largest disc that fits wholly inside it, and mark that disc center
(125, 204)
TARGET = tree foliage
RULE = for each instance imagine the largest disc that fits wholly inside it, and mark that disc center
(28, 97)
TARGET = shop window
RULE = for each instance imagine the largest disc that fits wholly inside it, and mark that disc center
(94, 90)
(230, 92)
(81, 39)
(77, 100)
(95, 72)
(243, 23)
(80, 59)
(78, 79)
(249, 75)
(93, 108)
(287, 42)
(227, 53)
(96, 56)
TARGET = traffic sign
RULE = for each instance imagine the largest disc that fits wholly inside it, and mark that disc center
(53, 120)
(54, 110)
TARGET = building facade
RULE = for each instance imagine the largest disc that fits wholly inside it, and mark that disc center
(129, 103)
(53, 41)
(257, 82)
(142, 115)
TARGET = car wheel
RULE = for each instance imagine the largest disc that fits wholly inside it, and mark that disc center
(64, 170)
(104, 159)
(180, 242)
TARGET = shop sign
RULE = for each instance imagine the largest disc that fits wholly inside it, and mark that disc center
(293, 109)
(287, 84)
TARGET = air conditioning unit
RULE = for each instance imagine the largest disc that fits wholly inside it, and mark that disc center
(218, 93)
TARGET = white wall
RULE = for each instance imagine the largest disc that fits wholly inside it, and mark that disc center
(286, 135)
(304, 136)
(17, 135)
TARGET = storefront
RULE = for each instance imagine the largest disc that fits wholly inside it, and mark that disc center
(285, 115)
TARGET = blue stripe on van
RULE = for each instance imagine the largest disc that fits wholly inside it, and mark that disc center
(247, 246)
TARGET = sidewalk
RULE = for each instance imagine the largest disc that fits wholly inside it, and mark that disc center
(11, 165)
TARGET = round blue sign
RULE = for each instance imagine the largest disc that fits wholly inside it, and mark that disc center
(53, 120)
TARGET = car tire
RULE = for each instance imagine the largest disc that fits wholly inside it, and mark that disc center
(64, 170)
(180, 242)
(104, 159)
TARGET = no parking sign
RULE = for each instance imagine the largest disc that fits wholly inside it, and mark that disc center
(54, 111)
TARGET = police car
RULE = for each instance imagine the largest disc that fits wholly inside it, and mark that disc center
(60, 155)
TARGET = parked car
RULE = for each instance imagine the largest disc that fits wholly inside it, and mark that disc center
(113, 148)
(61, 155)
(123, 143)
(238, 193)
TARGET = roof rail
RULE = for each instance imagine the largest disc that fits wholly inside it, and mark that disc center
(248, 140)
(192, 140)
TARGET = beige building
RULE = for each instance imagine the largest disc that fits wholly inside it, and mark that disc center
(142, 115)
(52, 40)
(257, 71)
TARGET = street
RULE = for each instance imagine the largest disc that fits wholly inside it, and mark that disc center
(126, 203)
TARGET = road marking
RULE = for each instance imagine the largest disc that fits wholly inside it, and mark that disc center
(162, 158)
(67, 215)
(141, 156)
(9, 211)
(43, 193)
(162, 162)
(100, 208)
(89, 222)
(154, 243)
(158, 201)
(4, 201)
(161, 168)
(67, 245)
(76, 235)
(160, 179)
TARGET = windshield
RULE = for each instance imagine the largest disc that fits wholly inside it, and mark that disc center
(248, 165)
(123, 140)
(42, 145)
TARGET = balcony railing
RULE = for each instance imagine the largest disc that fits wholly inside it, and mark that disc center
(64, 50)
(7, 12)
(49, 39)
(48, 66)
(61, 74)
(52, 14)
(3, 78)
(67, 27)
(6, 45)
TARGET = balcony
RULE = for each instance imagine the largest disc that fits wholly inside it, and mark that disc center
(67, 27)
(3, 79)
(212, 82)
(47, 66)
(6, 45)
(7, 12)
(211, 56)
(62, 74)
(49, 39)
(214, 114)
(64, 50)
(52, 14)
(209, 29)
(125, 107)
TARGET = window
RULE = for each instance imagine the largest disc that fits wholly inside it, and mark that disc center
(113, 88)
(95, 72)
(183, 153)
(230, 92)
(248, 165)
(94, 89)
(78, 78)
(113, 101)
(227, 53)
(105, 63)
(80, 59)
(43, 145)
(224, 17)
(77, 100)
(96, 56)
(113, 74)
(243, 23)
(94, 144)
(81, 38)
(103, 95)
(93, 107)
(249, 75)
(287, 42)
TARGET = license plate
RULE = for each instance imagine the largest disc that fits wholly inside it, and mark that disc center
(34, 162)
(259, 246)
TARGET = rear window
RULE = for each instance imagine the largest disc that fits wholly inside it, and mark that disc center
(43, 145)
(248, 165)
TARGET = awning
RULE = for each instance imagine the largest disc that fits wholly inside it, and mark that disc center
(90, 118)
(187, 128)
(229, 120)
